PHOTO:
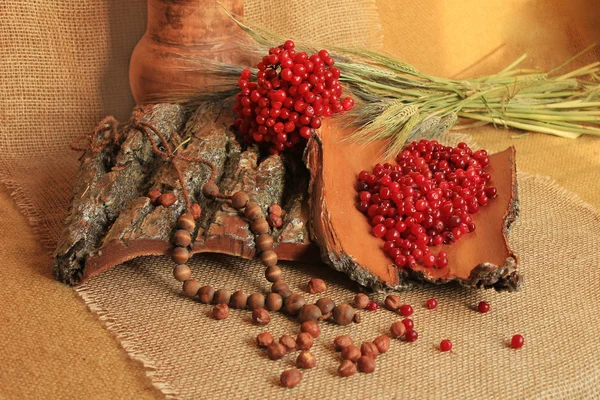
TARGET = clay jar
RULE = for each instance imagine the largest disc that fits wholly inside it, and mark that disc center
(178, 31)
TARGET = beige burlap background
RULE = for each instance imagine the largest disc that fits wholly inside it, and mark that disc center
(63, 66)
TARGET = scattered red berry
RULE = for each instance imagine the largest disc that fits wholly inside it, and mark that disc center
(406, 310)
(372, 306)
(517, 341)
(445, 345)
(425, 200)
(431, 304)
(408, 324)
(411, 335)
(483, 307)
(292, 93)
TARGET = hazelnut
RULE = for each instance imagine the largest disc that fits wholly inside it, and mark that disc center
(366, 364)
(256, 300)
(239, 200)
(264, 339)
(206, 294)
(341, 342)
(343, 314)
(252, 211)
(326, 305)
(273, 273)
(196, 210)
(182, 238)
(167, 199)
(382, 343)
(306, 360)
(346, 368)
(153, 195)
(186, 222)
(369, 349)
(351, 353)
(182, 272)
(293, 303)
(276, 351)
(311, 327)
(288, 341)
(309, 312)
(357, 318)
(260, 316)
(361, 301)
(392, 302)
(274, 221)
(180, 255)
(222, 296)
(275, 210)
(191, 287)
(316, 285)
(290, 378)
(397, 329)
(209, 189)
(304, 341)
(273, 302)
(264, 242)
(220, 311)
(239, 299)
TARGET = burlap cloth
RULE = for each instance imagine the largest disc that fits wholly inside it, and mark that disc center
(64, 66)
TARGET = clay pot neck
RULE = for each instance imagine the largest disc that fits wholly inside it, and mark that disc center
(191, 22)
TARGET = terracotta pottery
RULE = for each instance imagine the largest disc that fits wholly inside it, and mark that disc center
(179, 31)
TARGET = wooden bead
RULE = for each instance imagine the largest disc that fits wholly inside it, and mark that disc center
(264, 242)
(256, 300)
(182, 272)
(259, 226)
(293, 304)
(268, 258)
(186, 222)
(278, 286)
(180, 255)
(222, 296)
(273, 302)
(209, 189)
(191, 287)
(182, 238)
(239, 300)
(253, 211)
(273, 273)
(239, 200)
(206, 294)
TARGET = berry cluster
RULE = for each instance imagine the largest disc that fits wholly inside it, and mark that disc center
(425, 200)
(293, 91)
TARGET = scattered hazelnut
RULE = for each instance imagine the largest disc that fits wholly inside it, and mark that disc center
(260, 316)
(357, 318)
(153, 195)
(397, 329)
(311, 327)
(343, 314)
(346, 368)
(275, 209)
(361, 301)
(290, 378)
(288, 341)
(196, 210)
(369, 349)
(326, 305)
(316, 285)
(167, 199)
(306, 360)
(351, 353)
(392, 302)
(222, 296)
(206, 294)
(256, 300)
(309, 312)
(264, 339)
(341, 342)
(220, 311)
(273, 302)
(304, 341)
(382, 343)
(274, 221)
(293, 303)
(366, 364)
(276, 351)
(191, 287)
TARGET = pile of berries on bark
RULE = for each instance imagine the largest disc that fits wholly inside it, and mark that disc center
(293, 91)
(425, 200)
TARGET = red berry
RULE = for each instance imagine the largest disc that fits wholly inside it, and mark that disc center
(372, 306)
(445, 345)
(431, 304)
(411, 335)
(406, 310)
(483, 307)
(517, 341)
(408, 324)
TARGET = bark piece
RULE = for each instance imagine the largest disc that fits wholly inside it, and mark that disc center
(480, 259)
